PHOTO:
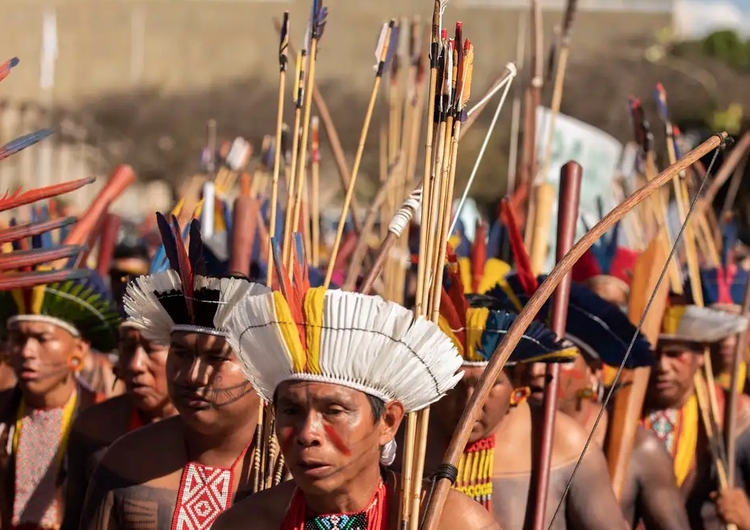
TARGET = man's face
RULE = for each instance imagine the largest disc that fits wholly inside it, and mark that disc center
(41, 355)
(449, 409)
(328, 434)
(672, 377)
(206, 383)
(142, 367)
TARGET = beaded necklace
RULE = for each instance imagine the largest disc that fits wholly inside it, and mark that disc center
(375, 517)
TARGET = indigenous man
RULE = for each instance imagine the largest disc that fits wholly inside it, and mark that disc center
(181, 472)
(650, 493)
(672, 408)
(341, 369)
(49, 328)
(513, 426)
(141, 365)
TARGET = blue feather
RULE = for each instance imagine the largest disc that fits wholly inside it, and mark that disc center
(592, 320)
(21, 143)
(536, 342)
(168, 242)
(495, 240)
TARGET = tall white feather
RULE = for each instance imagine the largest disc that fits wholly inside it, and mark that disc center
(367, 344)
(145, 310)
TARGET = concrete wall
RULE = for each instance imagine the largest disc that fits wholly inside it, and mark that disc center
(178, 45)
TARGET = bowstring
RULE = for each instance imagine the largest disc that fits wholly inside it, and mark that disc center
(651, 299)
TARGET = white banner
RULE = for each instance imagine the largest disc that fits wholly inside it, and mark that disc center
(598, 153)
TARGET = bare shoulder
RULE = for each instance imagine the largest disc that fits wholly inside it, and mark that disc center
(463, 512)
(647, 443)
(267, 509)
(142, 444)
(101, 422)
(570, 437)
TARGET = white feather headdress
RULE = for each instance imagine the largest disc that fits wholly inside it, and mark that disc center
(358, 341)
(158, 304)
(700, 324)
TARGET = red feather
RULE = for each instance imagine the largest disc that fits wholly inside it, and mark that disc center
(586, 267)
(293, 293)
(186, 269)
(520, 254)
(478, 255)
(452, 315)
(16, 199)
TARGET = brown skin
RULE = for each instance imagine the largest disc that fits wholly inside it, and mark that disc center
(42, 356)
(733, 507)
(611, 291)
(331, 442)
(136, 484)
(142, 368)
(650, 491)
(590, 504)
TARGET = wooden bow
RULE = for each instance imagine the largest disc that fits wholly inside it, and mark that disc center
(505, 348)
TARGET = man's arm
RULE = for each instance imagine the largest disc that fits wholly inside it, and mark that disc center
(591, 503)
(659, 501)
(98, 511)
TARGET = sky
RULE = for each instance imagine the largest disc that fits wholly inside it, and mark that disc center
(696, 18)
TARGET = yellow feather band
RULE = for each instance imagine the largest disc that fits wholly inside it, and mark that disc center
(476, 322)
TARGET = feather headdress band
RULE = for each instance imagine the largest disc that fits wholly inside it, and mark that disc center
(81, 306)
(183, 298)
(700, 325)
(596, 326)
(359, 341)
(477, 331)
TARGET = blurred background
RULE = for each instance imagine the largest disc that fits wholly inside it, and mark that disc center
(136, 80)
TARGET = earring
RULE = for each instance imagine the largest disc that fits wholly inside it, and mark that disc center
(587, 393)
(75, 363)
(388, 453)
(519, 395)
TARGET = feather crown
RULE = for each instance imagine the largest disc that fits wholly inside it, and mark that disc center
(358, 341)
(477, 328)
(80, 305)
(701, 325)
(598, 327)
(184, 297)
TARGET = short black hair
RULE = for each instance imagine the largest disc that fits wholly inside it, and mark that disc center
(377, 406)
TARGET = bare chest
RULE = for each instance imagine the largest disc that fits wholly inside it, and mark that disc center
(510, 500)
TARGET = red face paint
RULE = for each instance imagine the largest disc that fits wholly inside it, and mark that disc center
(336, 440)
